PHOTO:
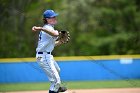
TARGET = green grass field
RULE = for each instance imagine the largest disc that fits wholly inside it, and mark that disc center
(71, 85)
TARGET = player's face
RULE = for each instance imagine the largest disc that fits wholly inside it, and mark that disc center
(52, 20)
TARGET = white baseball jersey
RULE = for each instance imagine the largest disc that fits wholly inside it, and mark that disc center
(46, 42)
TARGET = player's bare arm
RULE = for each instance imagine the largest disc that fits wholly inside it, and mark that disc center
(50, 32)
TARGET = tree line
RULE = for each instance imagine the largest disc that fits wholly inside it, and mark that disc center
(97, 27)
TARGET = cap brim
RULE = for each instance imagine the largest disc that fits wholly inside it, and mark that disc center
(55, 15)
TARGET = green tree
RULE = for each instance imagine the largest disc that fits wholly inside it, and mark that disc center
(97, 27)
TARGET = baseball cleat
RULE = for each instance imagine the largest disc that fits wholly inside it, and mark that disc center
(62, 89)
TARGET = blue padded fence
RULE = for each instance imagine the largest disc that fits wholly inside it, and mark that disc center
(72, 70)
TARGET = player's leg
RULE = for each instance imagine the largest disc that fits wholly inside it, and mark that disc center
(57, 66)
(61, 89)
(47, 64)
(54, 78)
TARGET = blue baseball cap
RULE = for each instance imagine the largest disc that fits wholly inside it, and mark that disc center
(49, 14)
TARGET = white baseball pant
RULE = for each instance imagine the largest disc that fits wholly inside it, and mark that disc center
(51, 68)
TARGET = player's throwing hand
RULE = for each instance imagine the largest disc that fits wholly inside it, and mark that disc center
(35, 28)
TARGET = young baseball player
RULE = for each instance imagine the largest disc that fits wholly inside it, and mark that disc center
(46, 43)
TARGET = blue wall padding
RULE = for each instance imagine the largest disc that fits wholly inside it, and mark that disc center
(71, 71)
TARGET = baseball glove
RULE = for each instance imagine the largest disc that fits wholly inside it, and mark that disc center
(64, 36)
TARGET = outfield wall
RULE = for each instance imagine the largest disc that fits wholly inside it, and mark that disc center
(72, 68)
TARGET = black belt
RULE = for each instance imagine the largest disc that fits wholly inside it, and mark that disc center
(45, 52)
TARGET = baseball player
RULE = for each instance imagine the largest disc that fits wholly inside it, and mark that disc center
(48, 39)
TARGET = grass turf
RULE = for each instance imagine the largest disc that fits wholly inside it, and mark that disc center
(71, 85)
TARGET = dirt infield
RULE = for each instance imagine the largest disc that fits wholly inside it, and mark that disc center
(115, 90)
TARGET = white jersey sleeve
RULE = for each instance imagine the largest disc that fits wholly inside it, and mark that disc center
(48, 27)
